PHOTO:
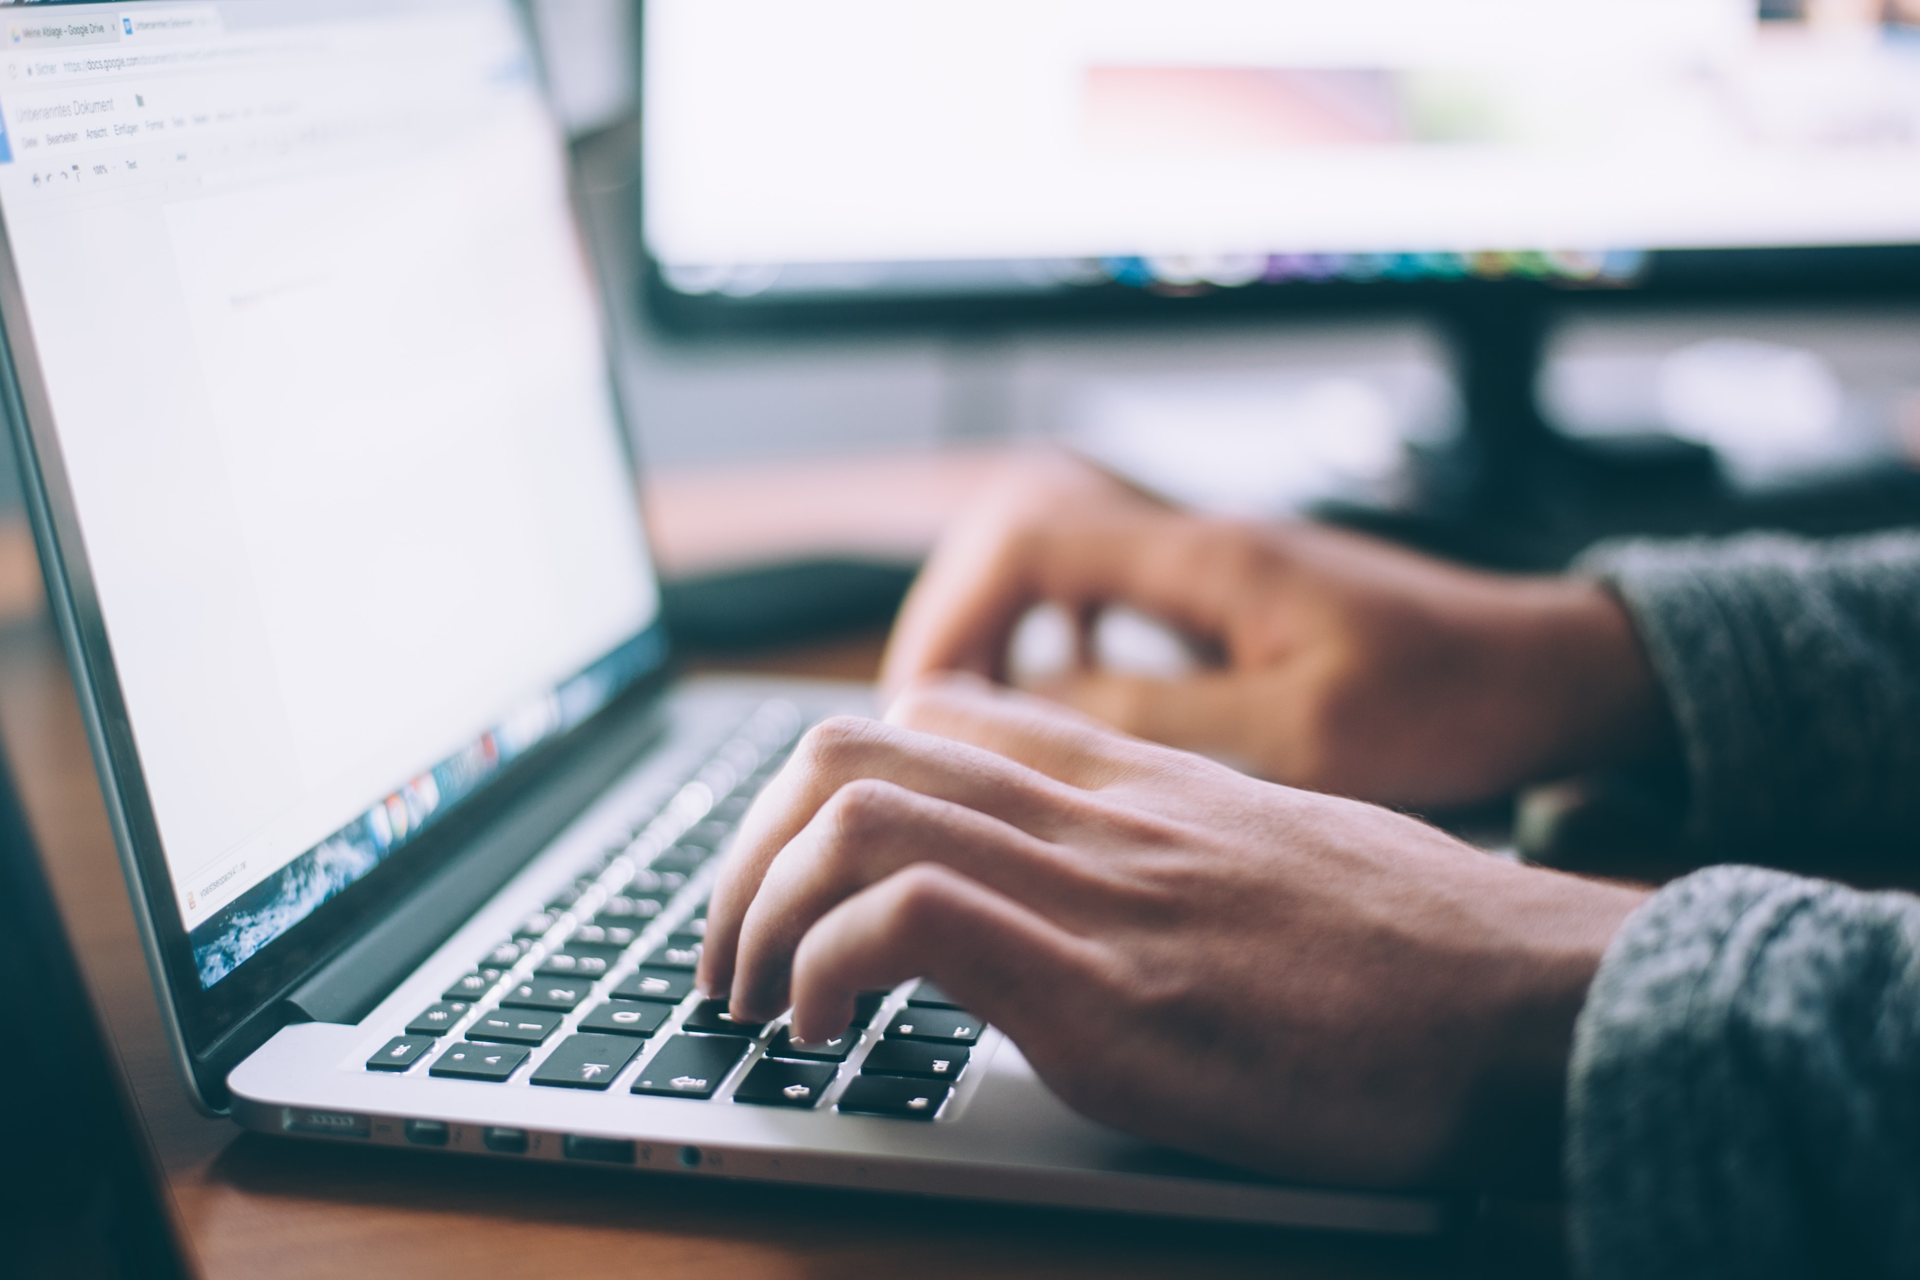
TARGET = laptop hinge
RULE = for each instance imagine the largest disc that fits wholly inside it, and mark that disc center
(348, 987)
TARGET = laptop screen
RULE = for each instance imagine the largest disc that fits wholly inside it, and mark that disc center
(323, 358)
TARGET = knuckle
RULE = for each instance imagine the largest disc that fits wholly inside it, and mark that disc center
(834, 740)
(922, 899)
(861, 810)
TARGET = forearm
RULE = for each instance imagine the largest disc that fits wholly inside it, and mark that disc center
(1792, 672)
(1744, 1096)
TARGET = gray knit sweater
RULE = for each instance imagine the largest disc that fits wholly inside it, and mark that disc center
(1744, 1098)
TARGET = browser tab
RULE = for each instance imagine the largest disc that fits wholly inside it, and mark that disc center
(188, 22)
(46, 33)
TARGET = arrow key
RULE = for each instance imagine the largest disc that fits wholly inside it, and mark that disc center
(785, 1084)
(585, 1062)
(691, 1066)
(892, 1096)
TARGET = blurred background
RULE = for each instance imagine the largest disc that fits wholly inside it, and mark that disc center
(1494, 278)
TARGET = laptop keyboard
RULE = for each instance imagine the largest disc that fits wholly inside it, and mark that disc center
(595, 991)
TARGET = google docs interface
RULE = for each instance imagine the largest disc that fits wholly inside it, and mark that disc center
(331, 401)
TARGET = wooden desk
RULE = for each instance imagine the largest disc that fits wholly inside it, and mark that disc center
(255, 1206)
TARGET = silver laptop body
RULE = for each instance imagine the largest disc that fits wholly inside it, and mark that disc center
(306, 369)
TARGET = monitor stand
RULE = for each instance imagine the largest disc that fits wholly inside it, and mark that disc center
(1511, 491)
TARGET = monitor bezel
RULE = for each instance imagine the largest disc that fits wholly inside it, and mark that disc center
(1691, 277)
(210, 1028)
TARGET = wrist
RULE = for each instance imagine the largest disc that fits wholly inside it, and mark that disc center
(1587, 673)
(1541, 967)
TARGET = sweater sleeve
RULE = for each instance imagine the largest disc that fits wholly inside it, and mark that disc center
(1792, 668)
(1744, 1094)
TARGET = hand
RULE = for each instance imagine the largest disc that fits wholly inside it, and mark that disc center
(1345, 664)
(1299, 984)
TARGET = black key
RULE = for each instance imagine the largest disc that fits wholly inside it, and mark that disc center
(866, 1004)
(537, 925)
(627, 1018)
(944, 1026)
(399, 1053)
(929, 996)
(506, 954)
(618, 937)
(784, 1084)
(729, 811)
(683, 860)
(691, 1066)
(784, 1045)
(916, 1058)
(628, 907)
(585, 1062)
(681, 951)
(667, 985)
(893, 1096)
(515, 1026)
(491, 1062)
(703, 838)
(712, 1015)
(578, 961)
(477, 983)
(568, 896)
(547, 993)
(699, 913)
(437, 1019)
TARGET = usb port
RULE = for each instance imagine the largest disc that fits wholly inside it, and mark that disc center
(606, 1150)
(427, 1133)
(508, 1142)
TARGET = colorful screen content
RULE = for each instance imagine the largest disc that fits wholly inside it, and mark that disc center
(291, 894)
(323, 362)
(857, 146)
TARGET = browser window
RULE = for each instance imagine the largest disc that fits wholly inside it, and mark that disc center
(331, 395)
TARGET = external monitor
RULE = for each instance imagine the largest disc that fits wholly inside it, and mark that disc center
(1000, 154)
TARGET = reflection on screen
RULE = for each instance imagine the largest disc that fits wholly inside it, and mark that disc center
(324, 364)
(857, 145)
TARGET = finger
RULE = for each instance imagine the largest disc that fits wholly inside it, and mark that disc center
(867, 832)
(1002, 961)
(964, 604)
(847, 749)
(1207, 712)
(962, 610)
(1073, 748)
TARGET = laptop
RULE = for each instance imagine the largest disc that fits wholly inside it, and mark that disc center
(95, 1203)
(307, 368)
